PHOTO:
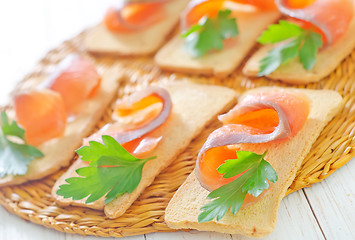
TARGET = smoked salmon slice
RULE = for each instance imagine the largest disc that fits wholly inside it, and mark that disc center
(76, 79)
(136, 101)
(43, 112)
(134, 16)
(151, 107)
(258, 118)
(266, 5)
(140, 113)
(330, 17)
(210, 8)
(42, 115)
(299, 4)
(295, 107)
(142, 146)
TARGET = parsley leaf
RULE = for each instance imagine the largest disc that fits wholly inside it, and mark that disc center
(112, 171)
(15, 154)
(277, 56)
(280, 32)
(209, 33)
(294, 42)
(231, 196)
(308, 52)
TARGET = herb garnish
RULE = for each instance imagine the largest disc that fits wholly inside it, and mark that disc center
(112, 171)
(231, 196)
(15, 154)
(298, 43)
(209, 33)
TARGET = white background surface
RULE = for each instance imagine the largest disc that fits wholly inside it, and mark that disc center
(30, 28)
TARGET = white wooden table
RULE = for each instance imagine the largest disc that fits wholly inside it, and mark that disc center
(30, 28)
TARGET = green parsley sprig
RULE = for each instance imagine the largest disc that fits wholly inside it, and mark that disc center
(112, 172)
(15, 153)
(209, 33)
(231, 196)
(294, 42)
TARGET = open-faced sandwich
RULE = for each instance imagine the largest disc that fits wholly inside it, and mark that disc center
(150, 128)
(216, 35)
(136, 28)
(309, 44)
(52, 119)
(245, 167)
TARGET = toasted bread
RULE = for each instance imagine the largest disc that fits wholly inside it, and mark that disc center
(174, 57)
(100, 40)
(194, 106)
(58, 152)
(258, 219)
(293, 72)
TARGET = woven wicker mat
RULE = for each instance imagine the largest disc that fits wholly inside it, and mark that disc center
(32, 201)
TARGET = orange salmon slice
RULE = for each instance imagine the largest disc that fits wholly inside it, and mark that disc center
(331, 18)
(76, 83)
(264, 121)
(137, 15)
(212, 7)
(42, 115)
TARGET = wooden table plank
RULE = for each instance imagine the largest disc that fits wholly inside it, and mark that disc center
(333, 202)
(295, 221)
(191, 235)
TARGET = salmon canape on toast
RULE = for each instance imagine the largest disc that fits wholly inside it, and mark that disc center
(216, 36)
(53, 118)
(245, 167)
(133, 29)
(308, 45)
(144, 129)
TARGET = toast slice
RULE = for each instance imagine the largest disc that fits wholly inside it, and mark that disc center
(293, 72)
(58, 152)
(194, 106)
(251, 24)
(258, 219)
(100, 40)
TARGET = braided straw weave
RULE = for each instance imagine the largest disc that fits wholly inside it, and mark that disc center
(33, 201)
